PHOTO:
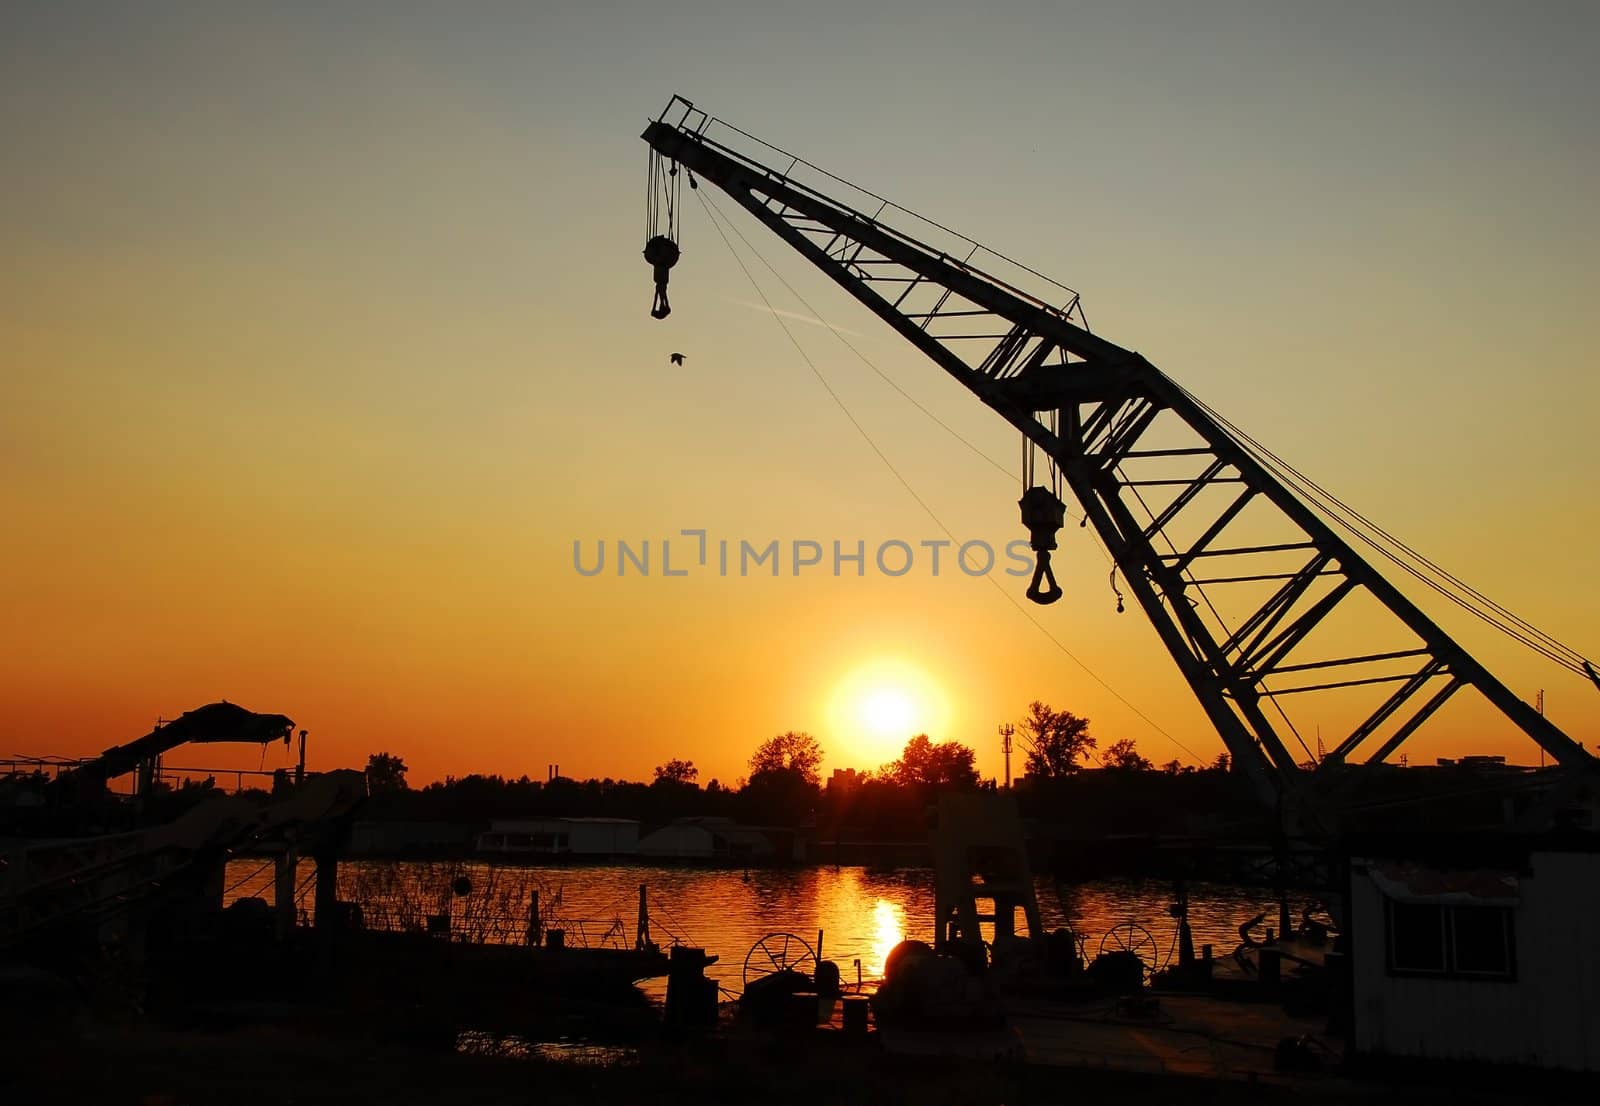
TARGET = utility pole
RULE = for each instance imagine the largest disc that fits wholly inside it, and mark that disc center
(1006, 730)
(1540, 701)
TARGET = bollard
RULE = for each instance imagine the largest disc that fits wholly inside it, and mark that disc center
(691, 997)
(1268, 964)
(855, 1015)
(800, 1012)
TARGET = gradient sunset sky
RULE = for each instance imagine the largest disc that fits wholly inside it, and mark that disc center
(324, 335)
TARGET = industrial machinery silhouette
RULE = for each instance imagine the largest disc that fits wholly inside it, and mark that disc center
(1254, 594)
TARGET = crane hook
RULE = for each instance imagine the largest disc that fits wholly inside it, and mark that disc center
(662, 253)
(1042, 574)
(1043, 514)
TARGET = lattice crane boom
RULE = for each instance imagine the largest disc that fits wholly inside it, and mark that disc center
(1169, 489)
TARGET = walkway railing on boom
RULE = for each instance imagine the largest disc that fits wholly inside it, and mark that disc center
(918, 230)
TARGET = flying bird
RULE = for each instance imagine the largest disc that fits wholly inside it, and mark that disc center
(677, 358)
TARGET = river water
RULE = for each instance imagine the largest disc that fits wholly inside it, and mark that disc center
(861, 913)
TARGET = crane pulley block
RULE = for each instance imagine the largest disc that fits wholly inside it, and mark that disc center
(1043, 514)
(662, 253)
(662, 194)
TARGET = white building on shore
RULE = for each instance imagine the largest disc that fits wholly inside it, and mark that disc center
(574, 837)
(707, 839)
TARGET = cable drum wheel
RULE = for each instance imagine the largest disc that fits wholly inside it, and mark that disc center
(1133, 937)
(778, 952)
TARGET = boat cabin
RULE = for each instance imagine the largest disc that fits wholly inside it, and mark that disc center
(1478, 949)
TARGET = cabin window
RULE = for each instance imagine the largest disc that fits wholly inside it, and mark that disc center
(1463, 942)
(1416, 937)
(1481, 936)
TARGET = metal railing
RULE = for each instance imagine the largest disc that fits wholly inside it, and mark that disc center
(1023, 281)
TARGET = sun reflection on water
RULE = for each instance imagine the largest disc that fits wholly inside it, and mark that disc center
(888, 930)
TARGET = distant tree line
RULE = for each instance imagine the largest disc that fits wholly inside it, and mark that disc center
(785, 787)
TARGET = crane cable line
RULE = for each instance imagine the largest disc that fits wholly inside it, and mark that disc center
(1473, 601)
(818, 373)
(1333, 504)
(715, 216)
(952, 431)
(889, 380)
(1363, 528)
(664, 191)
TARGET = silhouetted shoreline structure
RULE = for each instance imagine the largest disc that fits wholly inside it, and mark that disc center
(1433, 940)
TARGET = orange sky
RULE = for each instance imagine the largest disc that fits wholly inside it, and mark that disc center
(323, 341)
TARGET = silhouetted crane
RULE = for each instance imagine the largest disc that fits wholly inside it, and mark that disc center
(1247, 586)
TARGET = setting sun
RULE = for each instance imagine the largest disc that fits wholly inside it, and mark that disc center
(880, 705)
(887, 713)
